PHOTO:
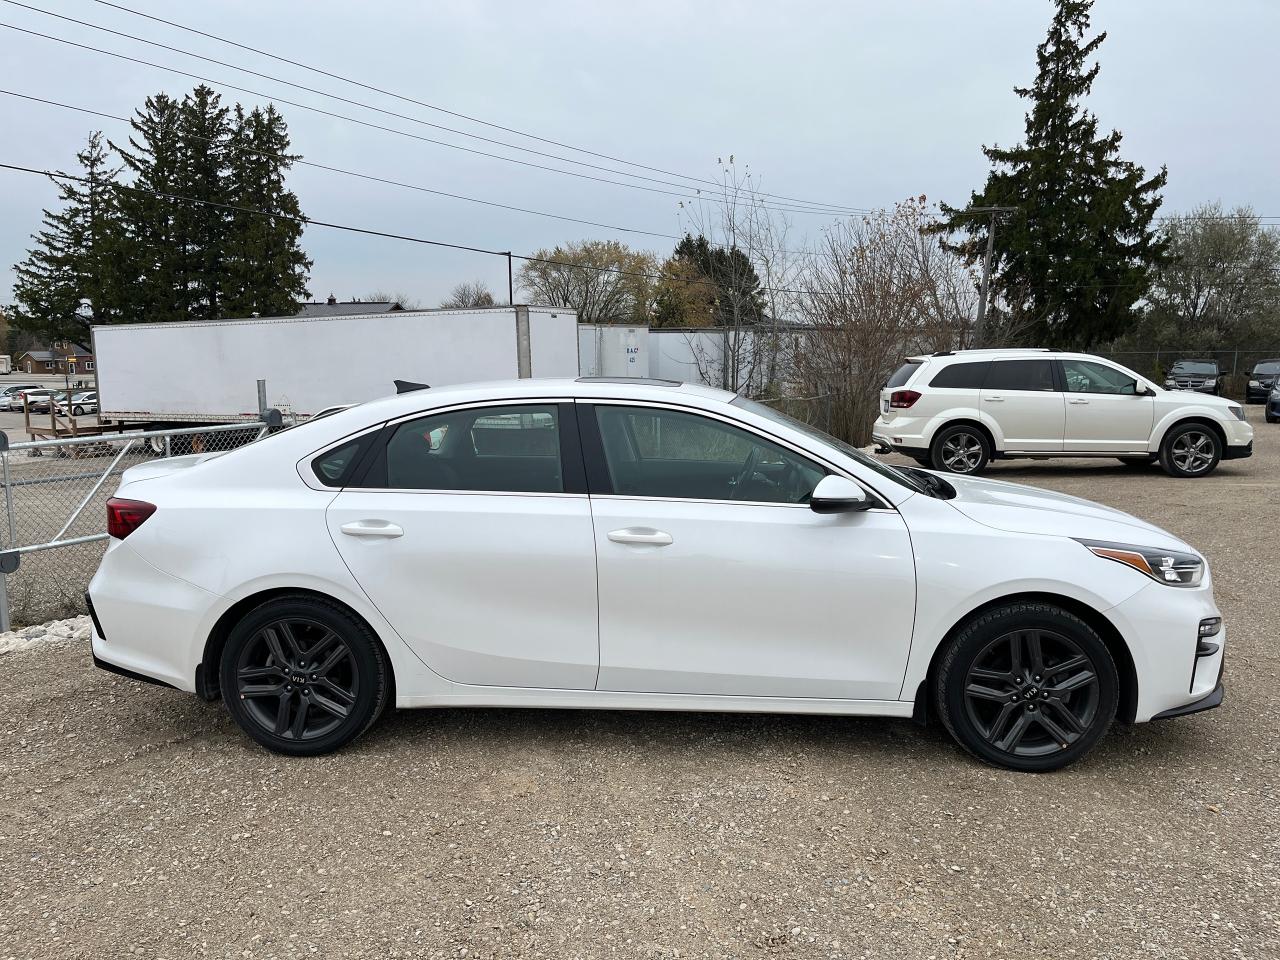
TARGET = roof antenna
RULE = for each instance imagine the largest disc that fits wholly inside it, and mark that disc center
(408, 386)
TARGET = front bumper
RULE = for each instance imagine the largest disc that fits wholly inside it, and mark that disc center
(1205, 703)
(1238, 453)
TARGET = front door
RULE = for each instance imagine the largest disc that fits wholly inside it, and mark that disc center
(475, 542)
(715, 577)
(1022, 397)
(1105, 412)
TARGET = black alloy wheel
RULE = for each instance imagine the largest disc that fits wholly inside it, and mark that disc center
(303, 676)
(1028, 686)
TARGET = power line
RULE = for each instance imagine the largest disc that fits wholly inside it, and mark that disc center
(439, 109)
(823, 209)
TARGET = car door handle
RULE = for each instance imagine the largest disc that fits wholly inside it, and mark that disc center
(640, 535)
(994, 399)
(371, 528)
(1077, 400)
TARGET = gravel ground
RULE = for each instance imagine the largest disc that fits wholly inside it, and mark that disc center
(137, 821)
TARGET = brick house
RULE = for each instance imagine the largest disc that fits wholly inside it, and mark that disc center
(63, 358)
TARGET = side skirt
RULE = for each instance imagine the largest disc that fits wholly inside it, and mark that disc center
(528, 697)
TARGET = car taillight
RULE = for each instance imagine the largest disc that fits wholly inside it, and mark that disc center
(126, 516)
(901, 399)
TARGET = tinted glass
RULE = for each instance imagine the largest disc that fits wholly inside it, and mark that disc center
(333, 467)
(1083, 376)
(668, 453)
(512, 449)
(967, 376)
(1197, 367)
(1020, 375)
(903, 373)
(1267, 367)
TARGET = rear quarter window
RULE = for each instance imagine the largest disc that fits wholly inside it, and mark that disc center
(903, 373)
(964, 376)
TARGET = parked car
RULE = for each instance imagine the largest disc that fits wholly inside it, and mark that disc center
(956, 411)
(78, 404)
(9, 399)
(1273, 403)
(36, 401)
(1265, 375)
(1202, 376)
(640, 545)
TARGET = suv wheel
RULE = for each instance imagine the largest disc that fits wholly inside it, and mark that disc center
(302, 676)
(1190, 450)
(960, 449)
(1027, 686)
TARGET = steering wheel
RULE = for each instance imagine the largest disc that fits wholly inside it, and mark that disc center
(748, 469)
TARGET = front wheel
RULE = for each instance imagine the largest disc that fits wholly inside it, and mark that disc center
(1027, 686)
(960, 449)
(1190, 450)
(303, 676)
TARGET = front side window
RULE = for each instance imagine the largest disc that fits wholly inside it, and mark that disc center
(653, 452)
(1085, 376)
(511, 449)
(1020, 375)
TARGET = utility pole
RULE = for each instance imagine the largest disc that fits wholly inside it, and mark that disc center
(979, 326)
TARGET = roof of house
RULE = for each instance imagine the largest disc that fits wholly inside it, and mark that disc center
(47, 355)
(351, 308)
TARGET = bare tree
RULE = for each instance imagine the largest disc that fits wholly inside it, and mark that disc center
(469, 293)
(603, 280)
(387, 296)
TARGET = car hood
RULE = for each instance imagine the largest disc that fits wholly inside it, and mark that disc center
(1023, 509)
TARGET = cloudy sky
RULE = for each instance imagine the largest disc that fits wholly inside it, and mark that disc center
(852, 103)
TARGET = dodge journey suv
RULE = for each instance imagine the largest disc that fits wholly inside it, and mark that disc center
(956, 411)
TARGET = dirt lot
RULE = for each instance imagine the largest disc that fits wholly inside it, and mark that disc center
(136, 821)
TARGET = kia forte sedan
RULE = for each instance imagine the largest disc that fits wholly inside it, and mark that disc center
(639, 545)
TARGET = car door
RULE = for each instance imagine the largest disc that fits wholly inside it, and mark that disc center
(1105, 412)
(1022, 397)
(471, 533)
(715, 577)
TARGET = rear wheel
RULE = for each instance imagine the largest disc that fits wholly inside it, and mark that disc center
(1027, 686)
(960, 449)
(302, 676)
(1190, 450)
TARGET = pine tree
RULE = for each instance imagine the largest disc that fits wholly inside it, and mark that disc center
(70, 277)
(153, 256)
(1075, 258)
(203, 220)
(264, 268)
(726, 276)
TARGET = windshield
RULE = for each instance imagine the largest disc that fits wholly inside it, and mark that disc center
(850, 451)
(1267, 367)
(1198, 367)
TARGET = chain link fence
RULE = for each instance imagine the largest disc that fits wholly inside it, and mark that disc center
(54, 521)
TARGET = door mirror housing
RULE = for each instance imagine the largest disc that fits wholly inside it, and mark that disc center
(838, 495)
(1140, 388)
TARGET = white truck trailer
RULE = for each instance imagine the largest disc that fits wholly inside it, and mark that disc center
(208, 372)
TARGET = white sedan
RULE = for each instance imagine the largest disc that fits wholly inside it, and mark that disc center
(639, 545)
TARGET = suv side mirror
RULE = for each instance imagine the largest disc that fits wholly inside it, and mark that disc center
(838, 495)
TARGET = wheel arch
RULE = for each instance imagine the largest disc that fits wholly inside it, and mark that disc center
(207, 671)
(1127, 707)
(1182, 420)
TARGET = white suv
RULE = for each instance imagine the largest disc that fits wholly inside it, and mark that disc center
(955, 411)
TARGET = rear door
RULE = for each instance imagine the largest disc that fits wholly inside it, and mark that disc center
(471, 533)
(1023, 399)
(1105, 412)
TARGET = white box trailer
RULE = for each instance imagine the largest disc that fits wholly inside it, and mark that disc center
(207, 372)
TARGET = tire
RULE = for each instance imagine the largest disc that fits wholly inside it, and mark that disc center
(297, 711)
(960, 449)
(1017, 721)
(78, 411)
(1137, 463)
(1190, 450)
(1271, 419)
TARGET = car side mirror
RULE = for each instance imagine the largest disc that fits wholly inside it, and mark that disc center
(838, 495)
(1140, 388)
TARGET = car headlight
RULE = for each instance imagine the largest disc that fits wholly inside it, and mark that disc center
(1237, 412)
(1254, 383)
(1174, 568)
(1171, 383)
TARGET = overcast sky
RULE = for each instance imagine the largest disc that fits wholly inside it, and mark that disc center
(854, 103)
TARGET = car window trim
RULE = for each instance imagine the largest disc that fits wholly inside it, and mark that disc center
(600, 483)
(572, 467)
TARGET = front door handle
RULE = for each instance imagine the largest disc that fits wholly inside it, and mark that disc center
(1077, 400)
(994, 399)
(371, 528)
(647, 535)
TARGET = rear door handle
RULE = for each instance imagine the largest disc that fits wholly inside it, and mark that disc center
(994, 399)
(371, 528)
(1077, 400)
(640, 535)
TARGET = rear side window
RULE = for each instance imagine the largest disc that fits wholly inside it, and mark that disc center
(334, 467)
(967, 376)
(1020, 375)
(903, 373)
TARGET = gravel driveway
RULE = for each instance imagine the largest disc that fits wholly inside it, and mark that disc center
(136, 820)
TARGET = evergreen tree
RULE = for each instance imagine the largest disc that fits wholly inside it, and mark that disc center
(70, 277)
(264, 267)
(725, 275)
(1075, 258)
(204, 228)
(153, 256)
